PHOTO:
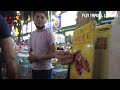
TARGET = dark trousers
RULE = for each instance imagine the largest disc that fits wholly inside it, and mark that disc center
(68, 73)
(42, 74)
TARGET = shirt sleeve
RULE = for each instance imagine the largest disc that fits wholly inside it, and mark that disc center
(4, 29)
(50, 38)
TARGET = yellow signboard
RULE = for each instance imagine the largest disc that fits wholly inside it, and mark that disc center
(83, 40)
(101, 51)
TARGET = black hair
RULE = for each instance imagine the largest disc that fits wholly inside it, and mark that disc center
(45, 12)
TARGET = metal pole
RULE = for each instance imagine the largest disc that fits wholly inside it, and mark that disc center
(22, 24)
(31, 20)
(51, 21)
(22, 31)
(48, 18)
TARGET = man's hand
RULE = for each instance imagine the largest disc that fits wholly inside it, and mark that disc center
(64, 57)
(33, 58)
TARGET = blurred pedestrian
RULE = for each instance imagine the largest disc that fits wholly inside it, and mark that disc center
(8, 50)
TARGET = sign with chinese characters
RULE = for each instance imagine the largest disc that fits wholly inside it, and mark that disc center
(83, 42)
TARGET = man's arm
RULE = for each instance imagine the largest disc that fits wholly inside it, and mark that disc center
(30, 51)
(7, 46)
(49, 55)
(33, 58)
(30, 45)
(8, 50)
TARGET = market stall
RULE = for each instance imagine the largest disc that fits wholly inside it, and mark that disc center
(24, 67)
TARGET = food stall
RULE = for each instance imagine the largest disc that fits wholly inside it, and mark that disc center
(24, 67)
